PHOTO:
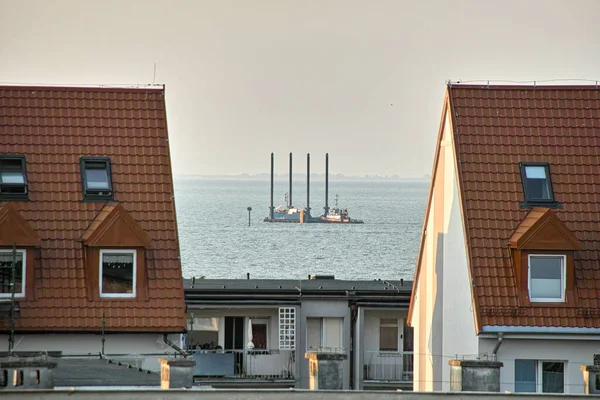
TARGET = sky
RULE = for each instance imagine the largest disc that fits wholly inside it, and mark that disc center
(361, 80)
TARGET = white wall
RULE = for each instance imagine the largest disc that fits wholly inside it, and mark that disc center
(128, 345)
(442, 314)
(458, 327)
(575, 352)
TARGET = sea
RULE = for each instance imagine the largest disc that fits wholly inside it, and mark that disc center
(219, 238)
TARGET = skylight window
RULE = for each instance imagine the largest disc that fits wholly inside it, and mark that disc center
(13, 178)
(96, 177)
(537, 185)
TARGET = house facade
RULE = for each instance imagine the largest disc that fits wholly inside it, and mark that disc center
(509, 262)
(257, 332)
(89, 255)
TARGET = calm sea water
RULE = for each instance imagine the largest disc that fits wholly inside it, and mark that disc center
(217, 242)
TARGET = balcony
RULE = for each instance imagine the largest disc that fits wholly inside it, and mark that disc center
(244, 365)
(388, 366)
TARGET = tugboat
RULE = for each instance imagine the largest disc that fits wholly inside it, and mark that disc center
(339, 215)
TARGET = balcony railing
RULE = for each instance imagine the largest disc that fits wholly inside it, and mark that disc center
(245, 364)
(394, 366)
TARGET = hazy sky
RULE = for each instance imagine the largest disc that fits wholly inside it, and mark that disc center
(363, 81)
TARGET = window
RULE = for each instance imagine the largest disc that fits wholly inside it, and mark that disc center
(539, 376)
(388, 334)
(117, 273)
(259, 333)
(547, 278)
(6, 263)
(96, 178)
(324, 334)
(287, 328)
(13, 178)
(537, 185)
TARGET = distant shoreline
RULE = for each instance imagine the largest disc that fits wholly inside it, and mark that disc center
(301, 178)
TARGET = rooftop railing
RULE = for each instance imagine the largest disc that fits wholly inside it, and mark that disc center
(266, 364)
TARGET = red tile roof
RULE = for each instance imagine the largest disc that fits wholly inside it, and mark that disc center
(53, 127)
(497, 127)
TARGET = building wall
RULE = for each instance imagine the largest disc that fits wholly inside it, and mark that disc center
(256, 394)
(141, 349)
(442, 314)
(575, 352)
(458, 328)
(371, 328)
(322, 309)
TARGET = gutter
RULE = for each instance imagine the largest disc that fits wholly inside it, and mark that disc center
(173, 345)
(540, 329)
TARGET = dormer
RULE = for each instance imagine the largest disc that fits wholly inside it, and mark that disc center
(18, 241)
(543, 248)
(116, 258)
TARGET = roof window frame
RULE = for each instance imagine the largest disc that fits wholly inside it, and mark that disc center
(5, 196)
(530, 202)
(22, 292)
(94, 194)
(109, 295)
(563, 278)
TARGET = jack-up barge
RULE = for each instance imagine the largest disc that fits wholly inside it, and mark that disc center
(289, 213)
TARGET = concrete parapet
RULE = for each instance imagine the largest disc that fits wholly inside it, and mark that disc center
(475, 375)
(591, 378)
(326, 370)
(176, 373)
(26, 373)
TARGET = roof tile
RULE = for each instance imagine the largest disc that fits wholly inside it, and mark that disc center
(497, 127)
(53, 127)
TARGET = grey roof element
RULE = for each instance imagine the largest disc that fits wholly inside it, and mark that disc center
(282, 285)
(72, 372)
(279, 292)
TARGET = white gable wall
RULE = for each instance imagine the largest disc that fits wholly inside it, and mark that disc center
(442, 315)
(459, 336)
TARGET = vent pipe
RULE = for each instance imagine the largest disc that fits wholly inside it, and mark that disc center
(272, 175)
(290, 194)
(308, 184)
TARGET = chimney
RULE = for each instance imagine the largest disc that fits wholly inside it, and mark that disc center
(176, 373)
(19, 373)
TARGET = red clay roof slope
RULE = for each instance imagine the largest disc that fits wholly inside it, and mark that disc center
(55, 126)
(497, 127)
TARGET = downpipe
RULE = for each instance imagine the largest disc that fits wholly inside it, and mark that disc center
(497, 346)
(173, 345)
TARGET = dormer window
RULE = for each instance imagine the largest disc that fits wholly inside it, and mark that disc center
(537, 185)
(547, 278)
(13, 178)
(96, 178)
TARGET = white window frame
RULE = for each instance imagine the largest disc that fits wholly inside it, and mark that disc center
(23, 283)
(287, 328)
(562, 279)
(118, 295)
(539, 373)
(397, 326)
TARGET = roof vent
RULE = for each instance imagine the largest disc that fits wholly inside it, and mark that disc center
(322, 277)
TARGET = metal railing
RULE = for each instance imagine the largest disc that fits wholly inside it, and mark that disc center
(388, 366)
(245, 364)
